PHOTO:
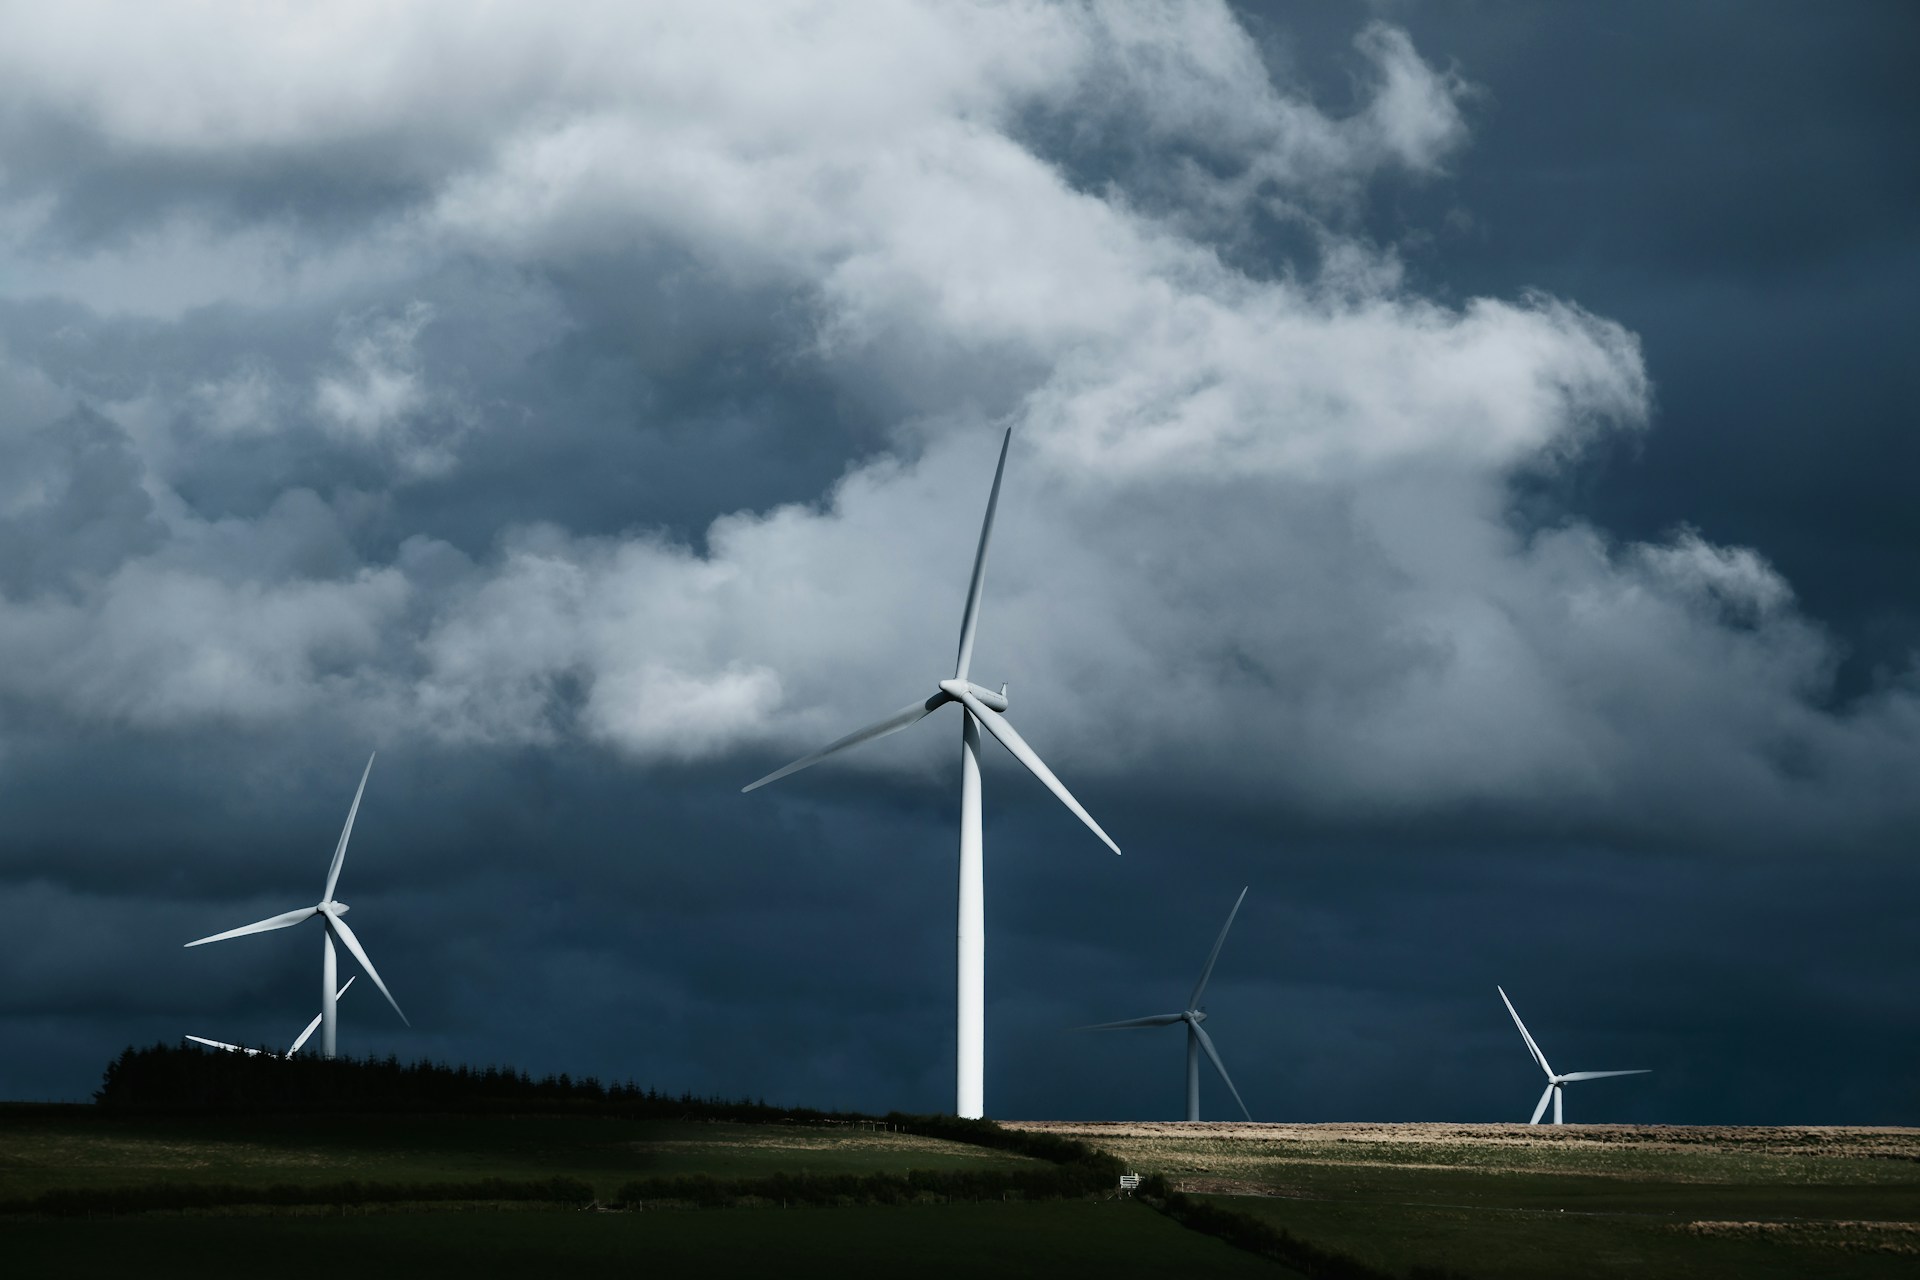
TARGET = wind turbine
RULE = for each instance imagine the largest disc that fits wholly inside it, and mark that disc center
(300, 1040)
(1198, 1041)
(1554, 1082)
(979, 706)
(329, 912)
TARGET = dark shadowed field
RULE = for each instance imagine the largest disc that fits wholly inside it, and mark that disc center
(45, 1149)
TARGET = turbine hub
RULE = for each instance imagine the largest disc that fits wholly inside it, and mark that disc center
(995, 699)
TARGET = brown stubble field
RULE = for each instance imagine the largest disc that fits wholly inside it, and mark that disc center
(1572, 1200)
(1574, 1147)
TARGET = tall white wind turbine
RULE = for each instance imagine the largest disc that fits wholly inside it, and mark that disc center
(299, 1040)
(978, 706)
(1198, 1041)
(329, 912)
(1555, 1082)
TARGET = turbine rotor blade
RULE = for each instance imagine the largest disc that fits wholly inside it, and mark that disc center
(220, 1044)
(1213, 1054)
(878, 729)
(340, 850)
(339, 929)
(1541, 1110)
(998, 726)
(1532, 1048)
(971, 617)
(285, 920)
(315, 1024)
(1601, 1075)
(304, 1036)
(1158, 1020)
(1193, 1001)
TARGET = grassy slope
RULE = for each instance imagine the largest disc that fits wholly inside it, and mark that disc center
(1498, 1203)
(1114, 1239)
(42, 1148)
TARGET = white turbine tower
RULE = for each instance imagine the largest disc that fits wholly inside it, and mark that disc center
(979, 706)
(329, 912)
(1198, 1041)
(1555, 1082)
(299, 1040)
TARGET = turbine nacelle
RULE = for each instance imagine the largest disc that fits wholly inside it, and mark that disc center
(994, 701)
(1195, 1015)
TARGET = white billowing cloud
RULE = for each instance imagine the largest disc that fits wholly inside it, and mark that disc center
(1255, 534)
(155, 648)
(381, 386)
(1152, 350)
(1414, 115)
(1737, 579)
(380, 395)
(681, 715)
(239, 404)
(1331, 666)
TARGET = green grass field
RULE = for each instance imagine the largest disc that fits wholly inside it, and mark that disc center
(1487, 1201)
(1499, 1201)
(47, 1147)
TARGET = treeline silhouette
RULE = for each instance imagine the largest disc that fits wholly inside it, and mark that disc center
(175, 1078)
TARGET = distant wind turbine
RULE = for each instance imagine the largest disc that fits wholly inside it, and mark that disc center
(329, 912)
(1198, 1041)
(300, 1040)
(979, 706)
(1554, 1082)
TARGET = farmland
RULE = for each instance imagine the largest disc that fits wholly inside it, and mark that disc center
(55, 1149)
(42, 1148)
(1575, 1201)
(402, 1191)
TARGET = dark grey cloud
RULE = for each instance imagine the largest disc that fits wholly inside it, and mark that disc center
(1454, 494)
(1727, 181)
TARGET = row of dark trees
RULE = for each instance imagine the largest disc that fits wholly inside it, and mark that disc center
(173, 1078)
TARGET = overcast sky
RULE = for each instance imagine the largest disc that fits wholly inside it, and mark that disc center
(1459, 488)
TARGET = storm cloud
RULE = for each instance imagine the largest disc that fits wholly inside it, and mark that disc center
(590, 407)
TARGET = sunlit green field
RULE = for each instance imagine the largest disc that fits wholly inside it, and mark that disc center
(1581, 1201)
(42, 1148)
